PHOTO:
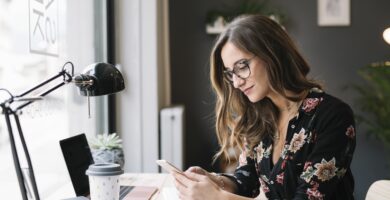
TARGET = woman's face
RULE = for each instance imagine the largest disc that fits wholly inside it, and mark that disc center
(256, 86)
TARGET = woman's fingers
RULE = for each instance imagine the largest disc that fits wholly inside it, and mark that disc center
(196, 169)
(183, 185)
(194, 186)
(182, 178)
(180, 186)
(177, 182)
(195, 177)
(192, 169)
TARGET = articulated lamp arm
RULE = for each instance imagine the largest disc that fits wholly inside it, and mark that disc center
(98, 79)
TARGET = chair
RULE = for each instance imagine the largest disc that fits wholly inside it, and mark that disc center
(379, 190)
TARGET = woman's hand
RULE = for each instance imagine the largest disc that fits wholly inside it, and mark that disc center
(198, 170)
(196, 186)
(201, 171)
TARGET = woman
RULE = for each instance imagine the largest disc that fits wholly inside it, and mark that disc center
(296, 141)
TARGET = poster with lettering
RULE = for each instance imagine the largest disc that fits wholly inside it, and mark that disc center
(44, 25)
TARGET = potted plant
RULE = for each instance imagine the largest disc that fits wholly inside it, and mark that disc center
(107, 148)
(374, 99)
(216, 20)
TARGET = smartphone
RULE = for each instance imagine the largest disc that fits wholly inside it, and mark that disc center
(168, 166)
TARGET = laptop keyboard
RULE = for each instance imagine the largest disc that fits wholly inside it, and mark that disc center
(124, 190)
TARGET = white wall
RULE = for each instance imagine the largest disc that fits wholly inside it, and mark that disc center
(137, 36)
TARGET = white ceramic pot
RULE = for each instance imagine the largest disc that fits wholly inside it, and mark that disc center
(108, 156)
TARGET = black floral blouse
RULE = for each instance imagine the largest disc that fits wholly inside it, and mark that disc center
(315, 161)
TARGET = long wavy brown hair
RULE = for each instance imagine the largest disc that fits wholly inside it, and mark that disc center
(236, 117)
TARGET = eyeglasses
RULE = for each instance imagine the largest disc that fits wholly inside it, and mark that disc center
(241, 69)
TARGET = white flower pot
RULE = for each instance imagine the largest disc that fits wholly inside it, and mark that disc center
(108, 156)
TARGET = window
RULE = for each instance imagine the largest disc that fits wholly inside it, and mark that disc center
(36, 39)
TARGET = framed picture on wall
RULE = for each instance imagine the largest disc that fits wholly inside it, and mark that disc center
(334, 12)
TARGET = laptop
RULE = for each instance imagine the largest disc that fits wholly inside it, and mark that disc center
(78, 157)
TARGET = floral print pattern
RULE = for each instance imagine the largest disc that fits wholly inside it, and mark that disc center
(313, 193)
(262, 151)
(280, 178)
(242, 159)
(264, 186)
(326, 170)
(318, 150)
(340, 173)
(350, 132)
(297, 141)
(267, 152)
(310, 103)
(308, 173)
(259, 151)
(285, 151)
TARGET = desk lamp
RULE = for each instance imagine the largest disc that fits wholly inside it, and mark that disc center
(386, 35)
(97, 79)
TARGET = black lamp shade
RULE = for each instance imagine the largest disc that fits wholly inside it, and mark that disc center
(104, 79)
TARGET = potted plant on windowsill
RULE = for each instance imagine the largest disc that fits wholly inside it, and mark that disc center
(107, 148)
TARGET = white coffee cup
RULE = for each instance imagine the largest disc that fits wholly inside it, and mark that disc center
(104, 181)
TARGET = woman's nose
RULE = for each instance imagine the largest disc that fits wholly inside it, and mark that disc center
(237, 81)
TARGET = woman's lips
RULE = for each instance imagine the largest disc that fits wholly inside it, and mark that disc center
(247, 91)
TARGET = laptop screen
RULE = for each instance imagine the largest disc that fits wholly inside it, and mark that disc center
(78, 157)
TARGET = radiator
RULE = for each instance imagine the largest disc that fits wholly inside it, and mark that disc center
(172, 135)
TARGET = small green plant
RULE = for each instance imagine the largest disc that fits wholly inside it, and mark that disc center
(374, 99)
(246, 7)
(106, 142)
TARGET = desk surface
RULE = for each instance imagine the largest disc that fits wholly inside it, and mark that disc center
(157, 180)
(134, 179)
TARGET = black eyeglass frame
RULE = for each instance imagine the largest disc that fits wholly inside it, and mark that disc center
(228, 74)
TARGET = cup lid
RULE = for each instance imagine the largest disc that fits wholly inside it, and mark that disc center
(104, 169)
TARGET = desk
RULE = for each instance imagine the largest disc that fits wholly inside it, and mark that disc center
(132, 179)
(156, 180)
